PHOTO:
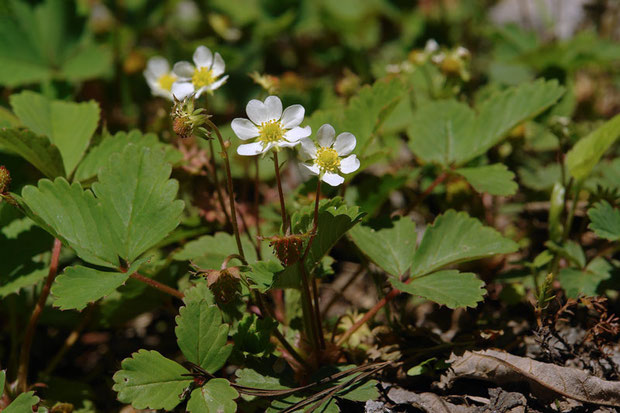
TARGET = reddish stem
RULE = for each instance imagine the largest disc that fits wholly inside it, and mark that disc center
(442, 176)
(24, 359)
(155, 284)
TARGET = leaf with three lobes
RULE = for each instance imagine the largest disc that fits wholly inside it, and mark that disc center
(68, 125)
(585, 281)
(149, 380)
(37, 150)
(391, 248)
(215, 396)
(202, 336)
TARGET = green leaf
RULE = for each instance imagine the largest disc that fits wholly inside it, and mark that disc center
(586, 153)
(262, 273)
(77, 286)
(449, 287)
(209, 251)
(451, 134)
(138, 198)
(75, 217)
(391, 248)
(605, 221)
(570, 250)
(98, 156)
(148, 380)
(495, 179)
(253, 335)
(2, 380)
(215, 396)
(37, 150)
(454, 238)
(578, 282)
(68, 125)
(202, 336)
(22, 404)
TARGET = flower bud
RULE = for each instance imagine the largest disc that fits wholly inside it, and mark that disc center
(5, 179)
(185, 119)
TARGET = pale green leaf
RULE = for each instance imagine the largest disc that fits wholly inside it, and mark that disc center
(586, 153)
(37, 150)
(391, 248)
(98, 156)
(209, 251)
(138, 197)
(215, 396)
(449, 287)
(495, 179)
(148, 380)
(75, 217)
(454, 238)
(578, 282)
(77, 286)
(202, 336)
(605, 221)
(22, 404)
(68, 125)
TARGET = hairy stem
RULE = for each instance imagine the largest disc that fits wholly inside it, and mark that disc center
(156, 284)
(24, 359)
(276, 165)
(218, 188)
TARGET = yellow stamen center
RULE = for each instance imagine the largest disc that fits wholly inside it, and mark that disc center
(203, 76)
(271, 131)
(165, 81)
(327, 159)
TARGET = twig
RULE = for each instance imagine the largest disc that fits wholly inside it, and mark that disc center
(156, 284)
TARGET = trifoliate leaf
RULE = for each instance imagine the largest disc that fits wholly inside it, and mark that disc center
(98, 156)
(585, 281)
(495, 179)
(586, 153)
(605, 221)
(138, 198)
(77, 286)
(37, 150)
(22, 404)
(216, 395)
(392, 248)
(451, 134)
(454, 238)
(68, 125)
(202, 336)
(209, 251)
(449, 287)
(75, 217)
(148, 380)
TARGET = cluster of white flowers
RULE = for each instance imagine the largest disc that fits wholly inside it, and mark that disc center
(268, 127)
(205, 75)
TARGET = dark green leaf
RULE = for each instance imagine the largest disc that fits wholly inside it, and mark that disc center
(495, 179)
(38, 150)
(77, 286)
(578, 282)
(605, 221)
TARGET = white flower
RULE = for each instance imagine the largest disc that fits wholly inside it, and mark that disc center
(327, 155)
(200, 78)
(159, 77)
(271, 127)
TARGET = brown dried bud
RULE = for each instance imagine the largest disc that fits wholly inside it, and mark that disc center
(288, 248)
(224, 284)
(182, 127)
(5, 179)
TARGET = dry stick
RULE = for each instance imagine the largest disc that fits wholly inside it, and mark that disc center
(280, 193)
(155, 284)
(24, 359)
(231, 194)
(70, 341)
(218, 188)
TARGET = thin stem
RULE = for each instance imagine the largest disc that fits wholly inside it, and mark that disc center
(256, 207)
(218, 188)
(308, 310)
(155, 284)
(24, 359)
(432, 186)
(280, 193)
(231, 194)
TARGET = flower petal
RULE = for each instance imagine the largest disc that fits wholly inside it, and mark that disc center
(184, 70)
(157, 66)
(345, 143)
(257, 112)
(251, 149)
(308, 148)
(285, 144)
(217, 83)
(200, 91)
(244, 129)
(349, 164)
(218, 65)
(274, 107)
(332, 179)
(297, 133)
(325, 135)
(312, 168)
(181, 90)
(203, 57)
(293, 116)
